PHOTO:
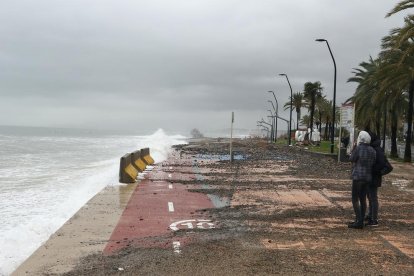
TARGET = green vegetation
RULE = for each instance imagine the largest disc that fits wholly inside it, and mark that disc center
(298, 102)
(319, 107)
(324, 147)
(384, 96)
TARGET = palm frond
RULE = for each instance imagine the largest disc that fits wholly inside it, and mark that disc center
(401, 6)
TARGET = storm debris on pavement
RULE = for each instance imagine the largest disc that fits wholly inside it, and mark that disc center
(285, 211)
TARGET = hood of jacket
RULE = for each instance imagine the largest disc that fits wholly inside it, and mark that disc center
(364, 137)
(376, 143)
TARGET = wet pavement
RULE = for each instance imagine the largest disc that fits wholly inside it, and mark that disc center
(277, 210)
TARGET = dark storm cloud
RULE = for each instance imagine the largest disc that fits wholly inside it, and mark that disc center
(175, 64)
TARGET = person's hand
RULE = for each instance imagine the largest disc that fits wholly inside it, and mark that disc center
(354, 146)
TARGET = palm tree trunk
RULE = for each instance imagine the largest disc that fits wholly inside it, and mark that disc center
(329, 131)
(394, 127)
(384, 128)
(326, 130)
(311, 115)
(407, 153)
(297, 119)
(378, 123)
(320, 122)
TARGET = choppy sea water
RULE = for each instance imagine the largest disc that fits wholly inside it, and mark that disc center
(47, 176)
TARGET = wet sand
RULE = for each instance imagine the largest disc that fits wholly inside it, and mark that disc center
(279, 210)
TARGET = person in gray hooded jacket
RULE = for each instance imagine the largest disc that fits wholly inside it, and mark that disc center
(363, 158)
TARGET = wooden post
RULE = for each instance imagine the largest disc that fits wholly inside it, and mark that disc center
(340, 134)
(231, 137)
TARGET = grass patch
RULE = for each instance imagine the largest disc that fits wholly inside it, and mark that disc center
(282, 141)
(324, 147)
(396, 159)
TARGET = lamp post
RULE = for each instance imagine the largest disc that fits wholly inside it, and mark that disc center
(334, 95)
(274, 121)
(291, 104)
(276, 111)
(265, 128)
(263, 122)
(272, 136)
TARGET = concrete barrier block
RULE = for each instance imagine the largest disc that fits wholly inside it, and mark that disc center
(146, 157)
(127, 172)
(138, 163)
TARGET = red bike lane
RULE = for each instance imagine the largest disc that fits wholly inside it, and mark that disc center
(159, 206)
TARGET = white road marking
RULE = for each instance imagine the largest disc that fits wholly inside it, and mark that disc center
(169, 175)
(192, 223)
(170, 207)
(170, 186)
(170, 168)
(176, 247)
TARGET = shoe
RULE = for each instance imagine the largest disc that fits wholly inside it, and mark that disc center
(372, 223)
(367, 218)
(356, 225)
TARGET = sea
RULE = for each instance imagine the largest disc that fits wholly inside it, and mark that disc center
(48, 174)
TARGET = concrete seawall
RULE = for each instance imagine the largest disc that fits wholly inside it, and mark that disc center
(122, 216)
(87, 232)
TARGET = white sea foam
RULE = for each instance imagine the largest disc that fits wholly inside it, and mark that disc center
(160, 144)
(44, 180)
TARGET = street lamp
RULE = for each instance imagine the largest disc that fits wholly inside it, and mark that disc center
(274, 121)
(291, 104)
(334, 95)
(277, 104)
(264, 127)
(272, 137)
(276, 111)
(263, 122)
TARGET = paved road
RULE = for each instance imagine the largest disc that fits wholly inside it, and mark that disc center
(286, 214)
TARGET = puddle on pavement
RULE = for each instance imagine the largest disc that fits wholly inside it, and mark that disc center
(220, 157)
(123, 192)
(285, 245)
(219, 202)
(401, 184)
(280, 158)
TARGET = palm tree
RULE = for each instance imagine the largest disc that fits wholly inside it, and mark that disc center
(321, 110)
(374, 96)
(400, 44)
(305, 121)
(327, 118)
(401, 6)
(367, 111)
(397, 104)
(399, 72)
(311, 91)
(298, 102)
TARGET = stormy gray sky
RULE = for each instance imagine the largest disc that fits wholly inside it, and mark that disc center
(176, 65)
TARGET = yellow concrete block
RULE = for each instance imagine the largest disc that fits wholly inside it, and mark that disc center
(140, 164)
(131, 171)
(149, 159)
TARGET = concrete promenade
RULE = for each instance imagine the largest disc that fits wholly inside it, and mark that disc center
(138, 215)
(278, 210)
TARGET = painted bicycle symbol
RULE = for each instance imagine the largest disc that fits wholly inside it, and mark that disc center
(192, 224)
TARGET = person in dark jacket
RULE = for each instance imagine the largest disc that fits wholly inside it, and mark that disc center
(372, 191)
(363, 158)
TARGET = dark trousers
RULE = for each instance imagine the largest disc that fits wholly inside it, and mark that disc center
(373, 202)
(359, 194)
